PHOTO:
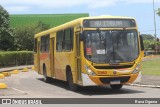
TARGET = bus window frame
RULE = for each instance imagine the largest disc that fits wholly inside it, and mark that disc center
(63, 42)
(45, 46)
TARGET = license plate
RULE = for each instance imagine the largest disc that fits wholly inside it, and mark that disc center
(115, 82)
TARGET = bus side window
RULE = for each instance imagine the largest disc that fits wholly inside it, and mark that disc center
(45, 43)
(68, 39)
(59, 41)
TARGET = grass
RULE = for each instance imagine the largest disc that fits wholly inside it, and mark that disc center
(151, 67)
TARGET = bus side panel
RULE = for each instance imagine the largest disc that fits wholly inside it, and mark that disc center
(45, 61)
(36, 62)
(36, 55)
(61, 60)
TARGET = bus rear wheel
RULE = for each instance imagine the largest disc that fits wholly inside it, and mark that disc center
(116, 87)
(46, 78)
(71, 85)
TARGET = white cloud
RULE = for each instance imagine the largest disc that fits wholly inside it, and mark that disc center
(17, 8)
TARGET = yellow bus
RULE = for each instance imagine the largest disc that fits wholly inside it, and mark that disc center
(90, 51)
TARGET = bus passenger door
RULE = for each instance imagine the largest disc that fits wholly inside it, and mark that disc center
(78, 58)
(52, 57)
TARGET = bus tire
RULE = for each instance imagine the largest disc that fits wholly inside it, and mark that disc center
(116, 87)
(71, 85)
(46, 78)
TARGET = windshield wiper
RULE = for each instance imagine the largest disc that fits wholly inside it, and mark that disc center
(122, 32)
(115, 39)
(102, 40)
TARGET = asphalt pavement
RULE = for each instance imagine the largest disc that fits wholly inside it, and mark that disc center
(31, 85)
(145, 79)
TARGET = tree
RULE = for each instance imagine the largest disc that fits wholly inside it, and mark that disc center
(6, 33)
(149, 42)
(158, 11)
(24, 36)
(148, 37)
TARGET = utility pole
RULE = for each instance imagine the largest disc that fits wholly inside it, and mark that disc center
(155, 33)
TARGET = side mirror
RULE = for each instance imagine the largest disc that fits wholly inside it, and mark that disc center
(141, 43)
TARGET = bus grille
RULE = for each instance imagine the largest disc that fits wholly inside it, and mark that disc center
(113, 67)
(121, 79)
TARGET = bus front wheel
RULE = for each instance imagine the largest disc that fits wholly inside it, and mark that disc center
(116, 87)
(71, 85)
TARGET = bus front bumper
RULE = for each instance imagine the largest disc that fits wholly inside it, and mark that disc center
(107, 80)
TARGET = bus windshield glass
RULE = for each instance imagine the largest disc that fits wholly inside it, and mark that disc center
(111, 46)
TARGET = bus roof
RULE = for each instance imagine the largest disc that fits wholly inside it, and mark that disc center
(66, 25)
(107, 16)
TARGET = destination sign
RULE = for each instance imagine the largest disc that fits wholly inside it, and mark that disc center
(109, 23)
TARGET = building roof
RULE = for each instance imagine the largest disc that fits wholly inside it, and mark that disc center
(49, 19)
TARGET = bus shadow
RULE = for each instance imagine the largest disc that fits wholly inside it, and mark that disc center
(94, 90)
(105, 90)
(58, 83)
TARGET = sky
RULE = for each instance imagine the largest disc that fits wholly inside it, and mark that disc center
(141, 10)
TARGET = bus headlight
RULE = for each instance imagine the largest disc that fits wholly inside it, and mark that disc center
(137, 69)
(89, 71)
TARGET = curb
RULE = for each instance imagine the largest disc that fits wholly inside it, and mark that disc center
(142, 85)
(5, 73)
(25, 70)
(2, 76)
(16, 68)
(33, 68)
(12, 71)
(3, 86)
(15, 72)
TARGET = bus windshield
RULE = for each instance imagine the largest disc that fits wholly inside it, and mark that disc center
(111, 46)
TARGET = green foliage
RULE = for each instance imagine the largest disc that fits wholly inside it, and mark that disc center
(149, 45)
(148, 37)
(24, 39)
(149, 42)
(4, 18)
(15, 58)
(158, 11)
(6, 33)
